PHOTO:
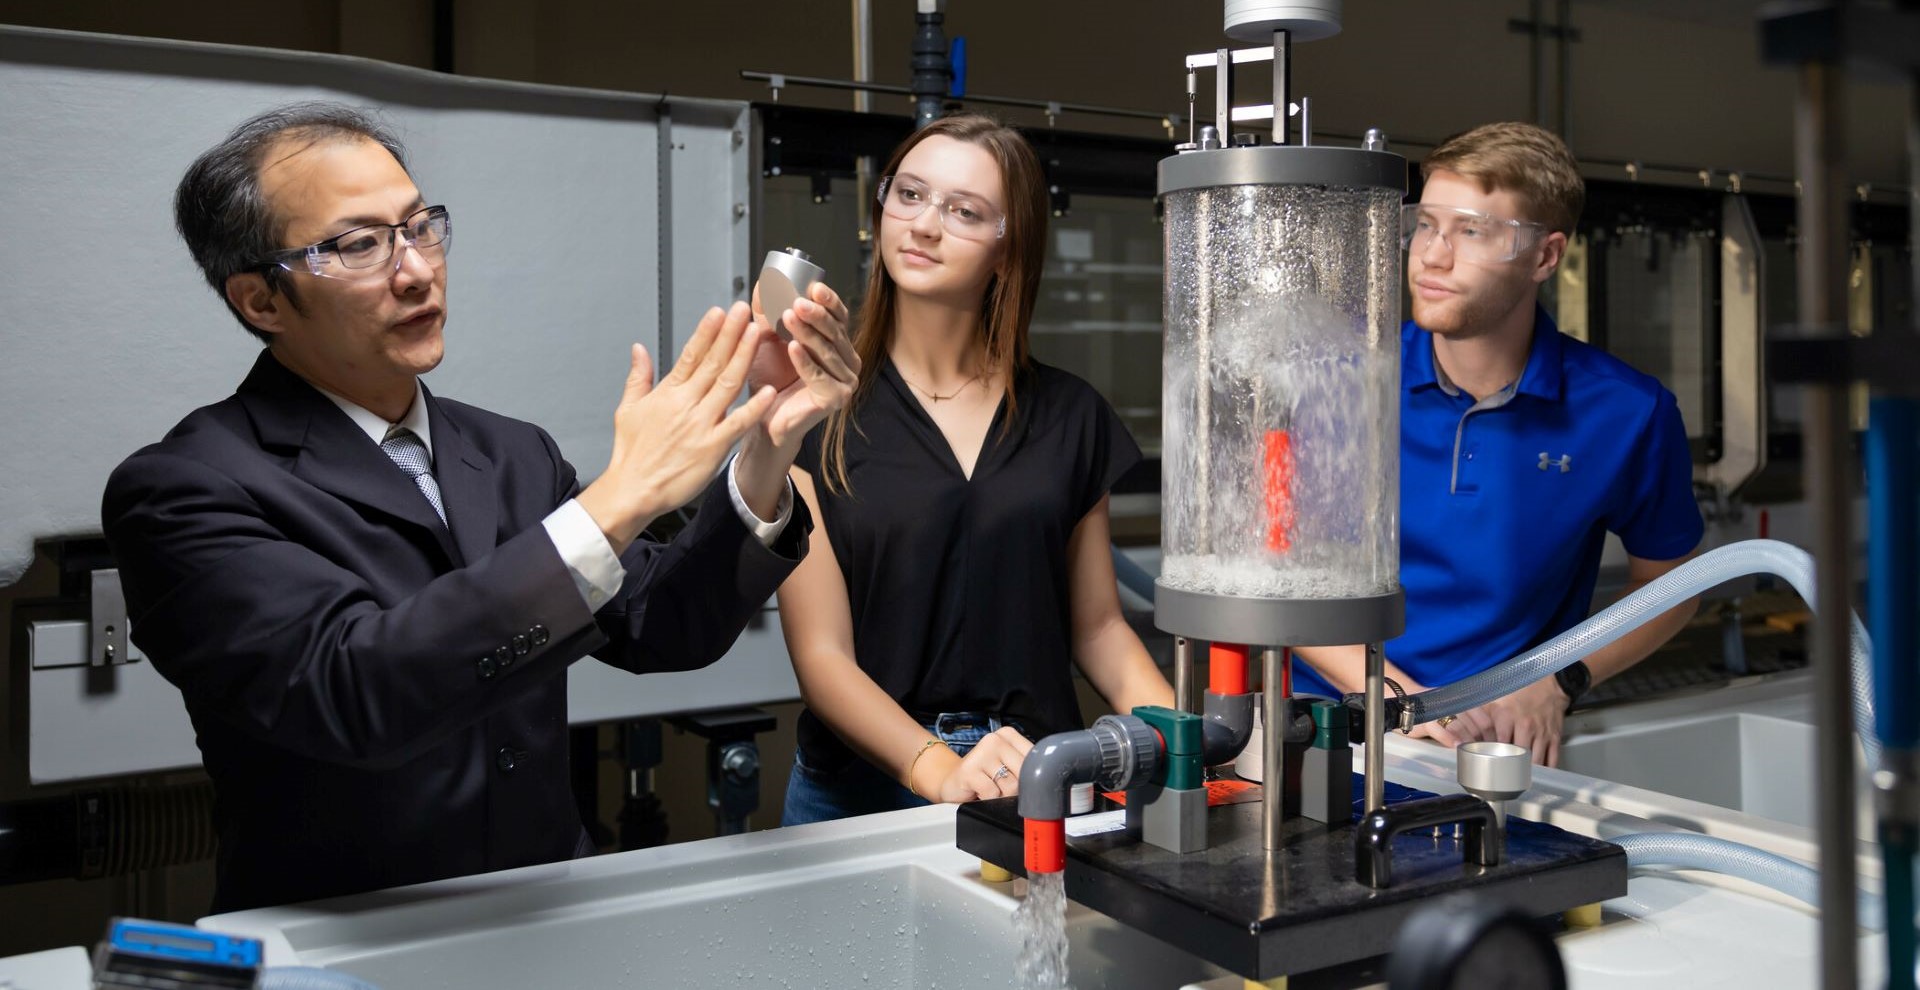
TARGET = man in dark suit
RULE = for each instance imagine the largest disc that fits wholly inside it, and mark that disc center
(369, 594)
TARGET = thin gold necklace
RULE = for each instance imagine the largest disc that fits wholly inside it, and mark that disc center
(941, 398)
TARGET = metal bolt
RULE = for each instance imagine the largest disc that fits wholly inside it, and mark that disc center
(740, 209)
(740, 762)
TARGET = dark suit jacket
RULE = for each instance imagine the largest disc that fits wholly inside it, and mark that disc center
(379, 702)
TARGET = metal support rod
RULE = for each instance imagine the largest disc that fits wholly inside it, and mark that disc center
(1820, 153)
(1376, 765)
(1828, 477)
(862, 53)
(863, 103)
(1223, 95)
(1186, 685)
(1282, 82)
(1193, 125)
(1273, 747)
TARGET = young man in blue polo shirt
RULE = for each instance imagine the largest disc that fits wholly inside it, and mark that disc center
(1520, 449)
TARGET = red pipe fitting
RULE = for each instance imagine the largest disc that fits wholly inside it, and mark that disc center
(1046, 845)
(1227, 668)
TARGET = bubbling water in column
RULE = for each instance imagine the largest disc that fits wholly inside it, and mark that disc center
(1281, 392)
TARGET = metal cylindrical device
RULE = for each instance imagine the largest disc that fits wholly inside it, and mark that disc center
(786, 277)
(1256, 20)
(1281, 392)
(1494, 772)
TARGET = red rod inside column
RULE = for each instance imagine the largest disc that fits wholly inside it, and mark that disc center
(1279, 490)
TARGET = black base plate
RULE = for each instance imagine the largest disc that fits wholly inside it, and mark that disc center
(1299, 908)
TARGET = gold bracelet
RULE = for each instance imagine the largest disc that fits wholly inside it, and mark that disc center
(929, 744)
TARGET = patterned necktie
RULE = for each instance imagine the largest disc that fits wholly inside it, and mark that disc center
(407, 450)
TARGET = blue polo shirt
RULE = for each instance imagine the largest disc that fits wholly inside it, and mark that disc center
(1505, 503)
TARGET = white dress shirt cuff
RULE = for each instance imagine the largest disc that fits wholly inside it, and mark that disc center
(765, 532)
(584, 549)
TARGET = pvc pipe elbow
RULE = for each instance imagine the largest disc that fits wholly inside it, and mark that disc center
(1228, 726)
(1118, 751)
(1051, 768)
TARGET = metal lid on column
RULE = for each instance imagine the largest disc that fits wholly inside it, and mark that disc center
(1256, 20)
(1284, 165)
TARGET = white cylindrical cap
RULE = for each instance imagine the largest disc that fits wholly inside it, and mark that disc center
(1494, 770)
(1256, 20)
(1251, 763)
(1080, 799)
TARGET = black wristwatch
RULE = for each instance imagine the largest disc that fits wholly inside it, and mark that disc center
(1574, 680)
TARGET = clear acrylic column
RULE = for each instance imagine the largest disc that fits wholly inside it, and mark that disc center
(1281, 392)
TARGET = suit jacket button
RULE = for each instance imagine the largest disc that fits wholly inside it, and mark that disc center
(521, 647)
(505, 759)
(539, 635)
(485, 668)
(503, 657)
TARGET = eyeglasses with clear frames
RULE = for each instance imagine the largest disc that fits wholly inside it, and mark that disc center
(361, 254)
(963, 216)
(1471, 235)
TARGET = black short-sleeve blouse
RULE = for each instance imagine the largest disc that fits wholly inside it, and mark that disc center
(958, 587)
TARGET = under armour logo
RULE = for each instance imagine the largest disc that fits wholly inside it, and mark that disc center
(1565, 462)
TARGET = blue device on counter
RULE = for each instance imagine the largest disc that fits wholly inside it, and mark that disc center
(155, 955)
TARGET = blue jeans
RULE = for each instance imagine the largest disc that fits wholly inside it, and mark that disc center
(818, 795)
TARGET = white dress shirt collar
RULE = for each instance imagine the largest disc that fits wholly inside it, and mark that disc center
(376, 428)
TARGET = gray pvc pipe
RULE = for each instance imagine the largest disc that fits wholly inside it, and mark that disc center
(1052, 767)
(1228, 726)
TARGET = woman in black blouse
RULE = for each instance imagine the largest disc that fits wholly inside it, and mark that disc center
(964, 497)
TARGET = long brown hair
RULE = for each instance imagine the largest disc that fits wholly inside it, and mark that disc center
(1010, 294)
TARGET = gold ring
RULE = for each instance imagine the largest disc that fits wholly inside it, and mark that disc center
(1444, 720)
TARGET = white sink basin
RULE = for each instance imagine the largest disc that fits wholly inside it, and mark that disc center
(887, 901)
(884, 901)
(1747, 748)
(1758, 764)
